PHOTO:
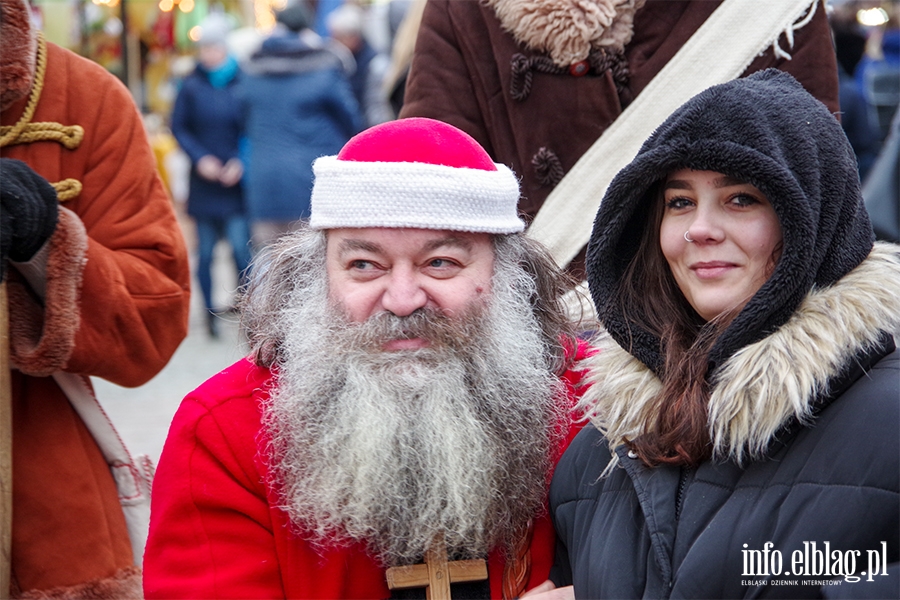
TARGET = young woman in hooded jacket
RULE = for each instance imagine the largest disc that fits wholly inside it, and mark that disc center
(744, 401)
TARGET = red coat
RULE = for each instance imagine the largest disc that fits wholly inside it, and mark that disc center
(215, 530)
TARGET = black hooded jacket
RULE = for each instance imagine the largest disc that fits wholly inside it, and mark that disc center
(804, 412)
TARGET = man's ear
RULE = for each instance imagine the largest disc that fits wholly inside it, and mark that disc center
(18, 51)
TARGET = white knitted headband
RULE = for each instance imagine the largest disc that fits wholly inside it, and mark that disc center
(419, 195)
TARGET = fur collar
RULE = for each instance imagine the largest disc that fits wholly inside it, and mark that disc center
(568, 29)
(765, 384)
(18, 49)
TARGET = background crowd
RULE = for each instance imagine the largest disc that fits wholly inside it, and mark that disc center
(329, 69)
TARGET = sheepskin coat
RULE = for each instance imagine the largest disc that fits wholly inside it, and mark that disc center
(536, 83)
(115, 284)
(804, 408)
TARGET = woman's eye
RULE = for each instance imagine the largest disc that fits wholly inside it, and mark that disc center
(678, 203)
(744, 200)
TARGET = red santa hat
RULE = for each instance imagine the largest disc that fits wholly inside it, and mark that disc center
(418, 173)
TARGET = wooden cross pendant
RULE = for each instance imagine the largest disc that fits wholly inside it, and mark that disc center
(437, 573)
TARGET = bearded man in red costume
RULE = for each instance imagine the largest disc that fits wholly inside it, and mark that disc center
(406, 396)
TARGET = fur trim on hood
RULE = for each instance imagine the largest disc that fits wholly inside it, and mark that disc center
(763, 386)
(568, 29)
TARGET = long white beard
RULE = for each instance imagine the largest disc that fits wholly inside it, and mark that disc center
(393, 448)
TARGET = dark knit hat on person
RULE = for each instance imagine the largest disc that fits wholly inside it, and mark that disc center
(295, 17)
(765, 130)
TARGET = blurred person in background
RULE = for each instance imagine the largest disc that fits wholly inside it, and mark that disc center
(881, 190)
(99, 285)
(319, 11)
(207, 122)
(297, 106)
(345, 25)
(878, 73)
(858, 124)
(404, 17)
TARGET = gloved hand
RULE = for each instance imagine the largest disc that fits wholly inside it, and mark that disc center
(29, 212)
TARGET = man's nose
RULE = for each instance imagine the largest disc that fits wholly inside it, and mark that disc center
(404, 293)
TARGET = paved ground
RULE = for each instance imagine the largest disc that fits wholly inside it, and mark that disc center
(142, 415)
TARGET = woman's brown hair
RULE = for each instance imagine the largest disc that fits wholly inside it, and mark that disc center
(678, 432)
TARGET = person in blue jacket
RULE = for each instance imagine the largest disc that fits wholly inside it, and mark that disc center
(206, 121)
(298, 106)
(345, 26)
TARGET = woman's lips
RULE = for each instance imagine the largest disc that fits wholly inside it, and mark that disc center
(712, 269)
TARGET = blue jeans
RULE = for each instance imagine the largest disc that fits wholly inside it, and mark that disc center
(209, 231)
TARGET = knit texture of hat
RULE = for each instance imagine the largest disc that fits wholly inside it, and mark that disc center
(295, 17)
(417, 173)
(765, 130)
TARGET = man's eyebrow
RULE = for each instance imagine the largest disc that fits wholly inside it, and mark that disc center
(350, 245)
(450, 240)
